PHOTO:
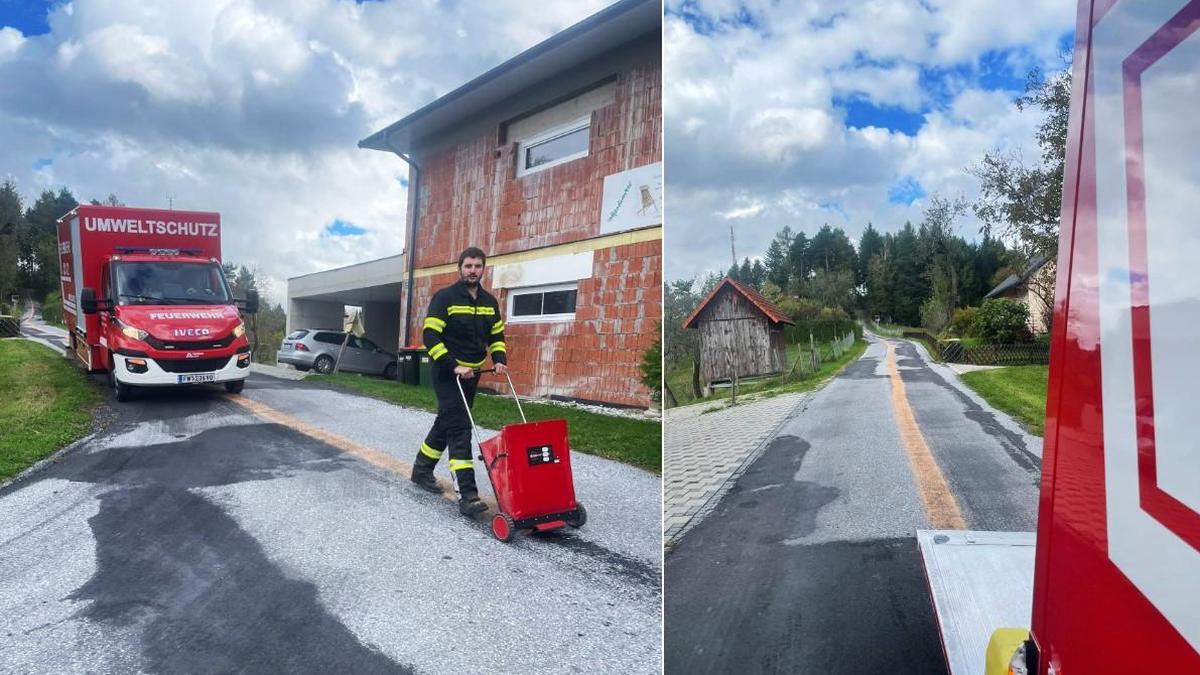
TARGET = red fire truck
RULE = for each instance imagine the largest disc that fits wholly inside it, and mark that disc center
(1112, 582)
(145, 298)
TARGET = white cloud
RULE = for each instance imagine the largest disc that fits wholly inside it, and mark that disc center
(756, 132)
(11, 40)
(251, 108)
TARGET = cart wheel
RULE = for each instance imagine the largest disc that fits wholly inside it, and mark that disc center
(503, 527)
(580, 516)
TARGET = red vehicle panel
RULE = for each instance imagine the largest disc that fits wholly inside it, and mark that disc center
(1117, 577)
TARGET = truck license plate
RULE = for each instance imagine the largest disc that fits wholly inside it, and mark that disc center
(195, 378)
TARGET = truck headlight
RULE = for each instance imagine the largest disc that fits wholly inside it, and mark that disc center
(239, 330)
(132, 332)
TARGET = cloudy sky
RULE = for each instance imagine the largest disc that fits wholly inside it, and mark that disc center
(251, 108)
(805, 113)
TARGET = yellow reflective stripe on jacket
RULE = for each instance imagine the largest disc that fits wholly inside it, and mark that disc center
(496, 347)
(434, 323)
(430, 451)
(471, 309)
(459, 464)
(469, 364)
(438, 351)
(498, 328)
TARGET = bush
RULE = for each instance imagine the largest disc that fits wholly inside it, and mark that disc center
(935, 315)
(963, 323)
(652, 369)
(1001, 321)
(52, 309)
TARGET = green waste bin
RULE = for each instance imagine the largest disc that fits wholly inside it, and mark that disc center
(425, 369)
(407, 373)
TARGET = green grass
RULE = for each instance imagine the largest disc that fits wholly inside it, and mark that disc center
(46, 404)
(769, 386)
(633, 441)
(1019, 391)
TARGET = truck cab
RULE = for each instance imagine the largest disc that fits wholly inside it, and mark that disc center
(145, 298)
(167, 317)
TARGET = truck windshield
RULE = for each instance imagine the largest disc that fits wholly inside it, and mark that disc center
(170, 283)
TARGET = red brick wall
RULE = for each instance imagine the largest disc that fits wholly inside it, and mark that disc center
(471, 196)
(597, 357)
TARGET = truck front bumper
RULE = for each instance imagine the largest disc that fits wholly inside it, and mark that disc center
(156, 375)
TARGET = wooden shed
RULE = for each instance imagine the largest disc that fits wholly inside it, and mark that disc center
(741, 334)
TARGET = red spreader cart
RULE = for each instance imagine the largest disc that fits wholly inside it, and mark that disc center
(529, 466)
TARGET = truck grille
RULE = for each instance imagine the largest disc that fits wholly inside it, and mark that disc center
(215, 343)
(192, 365)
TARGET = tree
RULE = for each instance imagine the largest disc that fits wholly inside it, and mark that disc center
(908, 282)
(12, 228)
(870, 244)
(39, 248)
(798, 260)
(1021, 201)
(758, 273)
(776, 259)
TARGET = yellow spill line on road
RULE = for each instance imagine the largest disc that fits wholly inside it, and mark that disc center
(367, 454)
(940, 505)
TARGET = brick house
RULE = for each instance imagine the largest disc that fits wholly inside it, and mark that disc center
(551, 163)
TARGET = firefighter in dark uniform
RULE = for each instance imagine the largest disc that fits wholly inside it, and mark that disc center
(463, 326)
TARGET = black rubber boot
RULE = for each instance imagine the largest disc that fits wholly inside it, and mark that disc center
(469, 502)
(422, 474)
(469, 506)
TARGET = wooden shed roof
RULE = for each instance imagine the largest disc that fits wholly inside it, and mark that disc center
(765, 306)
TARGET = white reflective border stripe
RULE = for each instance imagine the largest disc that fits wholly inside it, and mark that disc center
(1164, 567)
(103, 341)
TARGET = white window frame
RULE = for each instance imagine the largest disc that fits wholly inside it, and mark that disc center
(511, 317)
(524, 144)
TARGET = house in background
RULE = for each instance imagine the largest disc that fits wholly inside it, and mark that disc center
(1034, 287)
(551, 162)
(741, 334)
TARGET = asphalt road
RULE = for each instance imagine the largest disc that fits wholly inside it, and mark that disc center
(277, 532)
(810, 563)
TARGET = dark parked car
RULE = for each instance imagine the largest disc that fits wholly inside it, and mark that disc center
(318, 349)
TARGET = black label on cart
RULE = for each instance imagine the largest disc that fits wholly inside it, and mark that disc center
(541, 454)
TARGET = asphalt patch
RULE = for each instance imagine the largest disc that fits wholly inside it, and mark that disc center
(1012, 443)
(201, 591)
(204, 595)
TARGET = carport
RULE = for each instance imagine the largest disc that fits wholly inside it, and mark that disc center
(319, 300)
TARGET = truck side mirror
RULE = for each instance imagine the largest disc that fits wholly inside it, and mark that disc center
(251, 306)
(87, 300)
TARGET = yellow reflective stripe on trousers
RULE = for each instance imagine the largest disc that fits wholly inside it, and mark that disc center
(438, 351)
(434, 323)
(496, 347)
(498, 328)
(430, 451)
(458, 464)
(469, 364)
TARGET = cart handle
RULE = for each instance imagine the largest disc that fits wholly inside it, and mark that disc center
(475, 429)
(511, 388)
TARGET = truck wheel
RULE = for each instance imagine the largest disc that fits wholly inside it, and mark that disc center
(389, 373)
(123, 392)
(323, 364)
(235, 387)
